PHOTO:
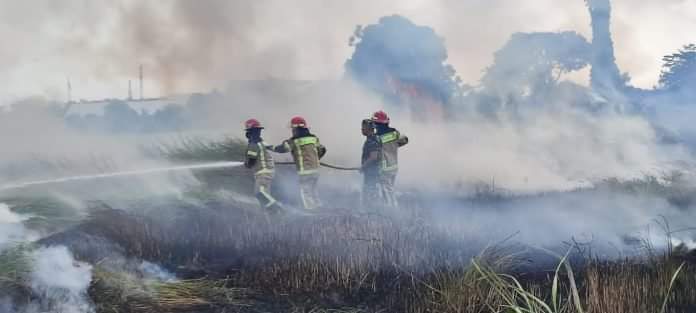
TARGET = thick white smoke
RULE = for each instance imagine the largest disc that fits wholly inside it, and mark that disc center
(549, 150)
(11, 229)
(40, 146)
(553, 146)
(55, 277)
(60, 282)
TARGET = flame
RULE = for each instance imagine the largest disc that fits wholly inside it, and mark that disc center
(424, 106)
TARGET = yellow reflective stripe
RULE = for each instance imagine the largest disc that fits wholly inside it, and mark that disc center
(300, 159)
(264, 171)
(304, 199)
(262, 153)
(306, 141)
(307, 172)
(386, 168)
(271, 200)
(252, 153)
(389, 137)
(299, 143)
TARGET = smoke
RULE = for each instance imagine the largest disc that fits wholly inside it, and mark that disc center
(187, 47)
(554, 150)
(58, 281)
(39, 146)
(550, 145)
(11, 228)
(532, 63)
(555, 138)
(155, 272)
(613, 224)
(553, 146)
(395, 52)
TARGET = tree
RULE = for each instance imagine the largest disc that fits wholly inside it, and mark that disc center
(679, 69)
(397, 51)
(532, 63)
(119, 117)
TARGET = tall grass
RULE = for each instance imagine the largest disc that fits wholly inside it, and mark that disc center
(197, 149)
(231, 255)
(372, 263)
(15, 267)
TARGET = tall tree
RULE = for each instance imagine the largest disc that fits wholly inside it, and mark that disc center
(397, 50)
(605, 76)
(679, 69)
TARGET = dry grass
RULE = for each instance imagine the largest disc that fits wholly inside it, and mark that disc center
(15, 267)
(197, 149)
(124, 292)
(626, 286)
(373, 263)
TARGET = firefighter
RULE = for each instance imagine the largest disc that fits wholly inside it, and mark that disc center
(306, 152)
(370, 165)
(390, 140)
(261, 162)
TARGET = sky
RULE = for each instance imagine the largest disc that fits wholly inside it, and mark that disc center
(188, 46)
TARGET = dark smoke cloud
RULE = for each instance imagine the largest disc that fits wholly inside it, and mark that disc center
(191, 46)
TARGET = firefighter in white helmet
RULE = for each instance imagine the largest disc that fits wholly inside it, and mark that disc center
(261, 162)
(390, 140)
(306, 153)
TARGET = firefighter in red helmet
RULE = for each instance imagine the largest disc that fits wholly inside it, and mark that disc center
(261, 162)
(390, 140)
(306, 152)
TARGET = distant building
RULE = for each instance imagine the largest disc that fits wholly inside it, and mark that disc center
(146, 106)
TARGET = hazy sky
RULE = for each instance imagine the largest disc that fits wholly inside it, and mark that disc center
(197, 45)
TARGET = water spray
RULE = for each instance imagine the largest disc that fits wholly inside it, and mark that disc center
(123, 173)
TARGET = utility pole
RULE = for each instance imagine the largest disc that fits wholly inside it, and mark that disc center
(130, 91)
(141, 82)
(69, 90)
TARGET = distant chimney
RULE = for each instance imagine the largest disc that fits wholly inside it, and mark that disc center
(141, 82)
(130, 90)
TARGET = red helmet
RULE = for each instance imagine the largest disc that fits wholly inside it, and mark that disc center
(380, 117)
(298, 121)
(252, 123)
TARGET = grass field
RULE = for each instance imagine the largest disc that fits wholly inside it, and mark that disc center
(221, 254)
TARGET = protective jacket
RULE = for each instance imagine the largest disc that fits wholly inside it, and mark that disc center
(306, 152)
(390, 141)
(258, 159)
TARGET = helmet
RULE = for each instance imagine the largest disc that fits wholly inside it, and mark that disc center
(380, 117)
(298, 121)
(252, 123)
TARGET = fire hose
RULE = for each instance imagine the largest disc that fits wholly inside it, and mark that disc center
(340, 168)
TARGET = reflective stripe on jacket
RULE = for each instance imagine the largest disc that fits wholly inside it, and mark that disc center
(264, 161)
(306, 152)
(389, 152)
